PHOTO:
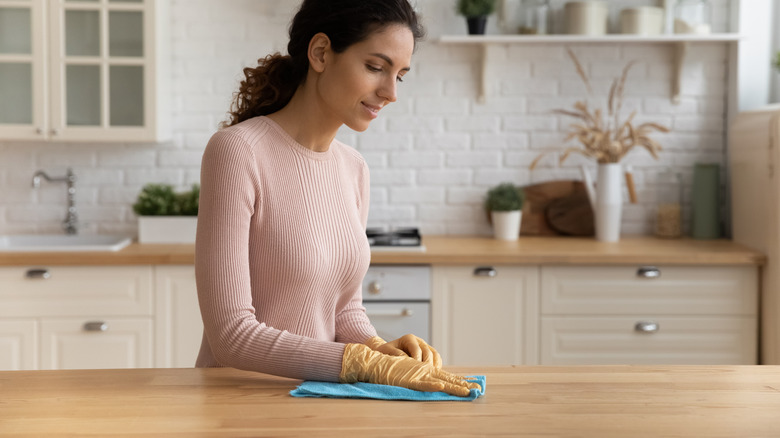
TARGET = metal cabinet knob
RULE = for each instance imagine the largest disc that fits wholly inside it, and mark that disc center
(485, 271)
(95, 326)
(38, 274)
(646, 327)
(648, 272)
(375, 288)
(54, 131)
(39, 130)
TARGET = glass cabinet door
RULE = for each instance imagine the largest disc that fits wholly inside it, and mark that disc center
(21, 69)
(102, 66)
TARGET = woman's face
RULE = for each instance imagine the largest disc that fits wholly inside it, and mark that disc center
(357, 83)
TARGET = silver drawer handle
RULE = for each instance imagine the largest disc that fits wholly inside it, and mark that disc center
(38, 274)
(646, 327)
(375, 288)
(648, 272)
(96, 326)
(485, 271)
(402, 312)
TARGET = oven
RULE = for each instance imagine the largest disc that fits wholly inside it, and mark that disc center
(398, 300)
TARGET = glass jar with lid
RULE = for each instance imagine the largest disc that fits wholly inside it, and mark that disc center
(535, 17)
(668, 222)
(692, 16)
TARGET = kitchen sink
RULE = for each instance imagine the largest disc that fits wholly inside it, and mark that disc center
(62, 242)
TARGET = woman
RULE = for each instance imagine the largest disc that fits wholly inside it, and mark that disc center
(281, 248)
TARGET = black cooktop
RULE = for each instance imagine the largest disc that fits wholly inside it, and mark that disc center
(396, 237)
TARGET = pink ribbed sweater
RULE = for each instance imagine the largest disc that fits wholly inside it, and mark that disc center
(281, 252)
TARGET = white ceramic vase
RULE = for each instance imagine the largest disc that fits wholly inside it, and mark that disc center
(607, 200)
(506, 224)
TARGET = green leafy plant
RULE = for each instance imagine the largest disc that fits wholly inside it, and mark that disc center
(162, 200)
(776, 62)
(505, 197)
(476, 8)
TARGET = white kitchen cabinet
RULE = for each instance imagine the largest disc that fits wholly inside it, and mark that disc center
(76, 316)
(648, 315)
(84, 70)
(96, 342)
(177, 316)
(485, 315)
(18, 345)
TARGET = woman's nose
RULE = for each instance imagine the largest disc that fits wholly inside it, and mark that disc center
(388, 91)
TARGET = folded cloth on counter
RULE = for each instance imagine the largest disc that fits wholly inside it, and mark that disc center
(311, 388)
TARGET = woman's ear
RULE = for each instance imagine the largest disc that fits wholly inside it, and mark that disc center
(319, 46)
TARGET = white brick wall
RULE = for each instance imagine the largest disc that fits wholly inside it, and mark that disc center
(432, 155)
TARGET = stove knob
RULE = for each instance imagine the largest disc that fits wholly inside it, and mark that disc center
(375, 288)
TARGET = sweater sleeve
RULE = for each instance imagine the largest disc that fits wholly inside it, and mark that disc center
(352, 323)
(229, 197)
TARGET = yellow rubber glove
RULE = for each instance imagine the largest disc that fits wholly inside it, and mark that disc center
(362, 364)
(407, 345)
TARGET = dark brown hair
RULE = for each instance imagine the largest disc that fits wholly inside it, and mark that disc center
(268, 87)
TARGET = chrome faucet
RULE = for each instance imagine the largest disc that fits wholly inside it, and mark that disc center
(70, 224)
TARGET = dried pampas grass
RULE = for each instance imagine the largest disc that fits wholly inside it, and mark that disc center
(603, 136)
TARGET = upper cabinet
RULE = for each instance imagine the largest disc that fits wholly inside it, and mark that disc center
(88, 70)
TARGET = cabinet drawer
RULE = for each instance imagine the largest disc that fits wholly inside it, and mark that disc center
(678, 340)
(620, 290)
(72, 290)
(92, 343)
(397, 283)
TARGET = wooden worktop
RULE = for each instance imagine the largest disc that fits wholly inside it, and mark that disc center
(606, 401)
(458, 250)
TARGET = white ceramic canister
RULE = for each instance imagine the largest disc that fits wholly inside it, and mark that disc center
(586, 17)
(642, 20)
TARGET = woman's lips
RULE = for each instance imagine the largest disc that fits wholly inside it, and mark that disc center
(372, 110)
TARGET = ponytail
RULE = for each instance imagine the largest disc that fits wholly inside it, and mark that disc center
(266, 88)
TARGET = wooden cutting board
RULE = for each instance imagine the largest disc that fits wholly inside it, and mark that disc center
(557, 208)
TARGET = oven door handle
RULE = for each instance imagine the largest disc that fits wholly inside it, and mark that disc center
(402, 312)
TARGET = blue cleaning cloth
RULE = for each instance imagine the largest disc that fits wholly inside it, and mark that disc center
(311, 388)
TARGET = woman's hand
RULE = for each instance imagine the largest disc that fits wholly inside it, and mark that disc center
(407, 345)
(361, 364)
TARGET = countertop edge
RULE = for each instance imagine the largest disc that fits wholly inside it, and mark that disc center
(457, 250)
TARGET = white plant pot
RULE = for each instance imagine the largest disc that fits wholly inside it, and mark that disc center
(167, 229)
(506, 224)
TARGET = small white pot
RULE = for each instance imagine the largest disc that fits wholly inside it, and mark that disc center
(506, 224)
(167, 229)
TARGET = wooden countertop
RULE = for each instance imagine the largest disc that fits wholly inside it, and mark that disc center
(602, 401)
(458, 250)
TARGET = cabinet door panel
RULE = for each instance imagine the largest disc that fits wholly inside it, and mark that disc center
(82, 33)
(16, 93)
(678, 340)
(125, 33)
(68, 344)
(485, 321)
(22, 76)
(15, 30)
(178, 321)
(18, 345)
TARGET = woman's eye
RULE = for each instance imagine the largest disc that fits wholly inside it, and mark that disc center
(371, 68)
(399, 78)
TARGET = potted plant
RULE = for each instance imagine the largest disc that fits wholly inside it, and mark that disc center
(165, 216)
(505, 204)
(476, 13)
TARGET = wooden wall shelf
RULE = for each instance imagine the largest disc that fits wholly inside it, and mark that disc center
(681, 42)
